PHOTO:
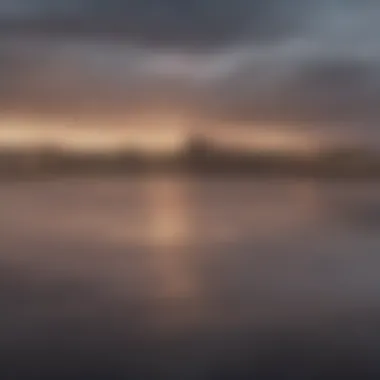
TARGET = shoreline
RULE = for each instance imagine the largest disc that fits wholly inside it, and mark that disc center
(214, 176)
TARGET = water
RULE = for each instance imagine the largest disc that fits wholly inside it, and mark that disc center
(172, 278)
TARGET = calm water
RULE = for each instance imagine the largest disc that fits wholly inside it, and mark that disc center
(189, 279)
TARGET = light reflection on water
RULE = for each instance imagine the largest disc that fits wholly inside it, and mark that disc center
(166, 258)
(164, 211)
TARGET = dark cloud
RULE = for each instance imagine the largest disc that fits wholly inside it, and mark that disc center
(173, 22)
(196, 21)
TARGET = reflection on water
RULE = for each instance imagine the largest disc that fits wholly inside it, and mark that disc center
(194, 279)
(167, 212)
(168, 230)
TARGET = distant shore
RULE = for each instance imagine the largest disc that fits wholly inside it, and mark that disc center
(210, 175)
(199, 159)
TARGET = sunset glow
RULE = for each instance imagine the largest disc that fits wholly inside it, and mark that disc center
(150, 133)
(140, 134)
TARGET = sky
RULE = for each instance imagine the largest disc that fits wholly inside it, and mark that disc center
(302, 65)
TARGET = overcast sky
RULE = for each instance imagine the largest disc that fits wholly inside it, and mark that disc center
(276, 61)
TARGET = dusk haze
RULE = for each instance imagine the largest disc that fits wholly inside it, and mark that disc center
(189, 189)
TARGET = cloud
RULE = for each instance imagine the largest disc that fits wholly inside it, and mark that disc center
(290, 61)
(159, 22)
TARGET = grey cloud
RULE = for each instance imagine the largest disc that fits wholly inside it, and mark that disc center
(300, 80)
(162, 22)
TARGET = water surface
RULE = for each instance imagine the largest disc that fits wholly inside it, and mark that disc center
(189, 279)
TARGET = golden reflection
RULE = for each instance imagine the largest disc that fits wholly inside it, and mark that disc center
(309, 199)
(168, 230)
